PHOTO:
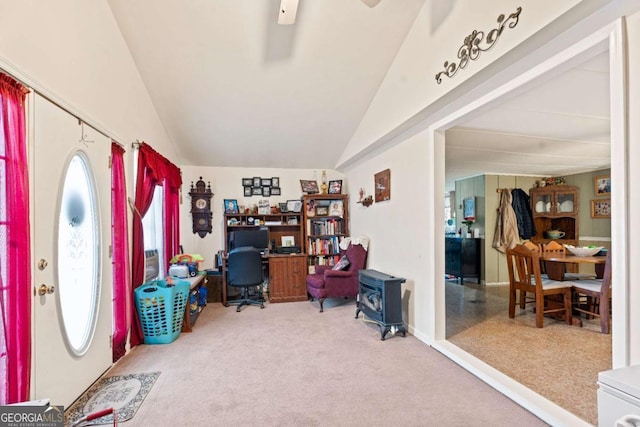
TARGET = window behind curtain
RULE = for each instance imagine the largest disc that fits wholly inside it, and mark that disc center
(152, 224)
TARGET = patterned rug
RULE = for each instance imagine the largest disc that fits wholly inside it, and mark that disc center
(123, 393)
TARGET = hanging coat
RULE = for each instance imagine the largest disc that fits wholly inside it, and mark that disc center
(506, 232)
(522, 208)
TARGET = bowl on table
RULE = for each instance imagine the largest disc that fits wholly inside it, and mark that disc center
(583, 250)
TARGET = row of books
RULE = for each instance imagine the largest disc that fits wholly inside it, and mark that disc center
(322, 227)
(330, 260)
(326, 246)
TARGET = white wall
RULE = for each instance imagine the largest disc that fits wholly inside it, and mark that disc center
(226, 183)
(398, 228)
(73, 50)
(435, 37)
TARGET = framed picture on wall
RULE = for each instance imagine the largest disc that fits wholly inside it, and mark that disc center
(247, 182)
(469, 208)
(601, 208)
(248, 191)
(602, 185)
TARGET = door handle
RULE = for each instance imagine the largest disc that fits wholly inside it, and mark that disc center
(44, 289)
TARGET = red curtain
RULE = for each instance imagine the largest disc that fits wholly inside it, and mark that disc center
(119, 232)
(153, 169)
(15, 269)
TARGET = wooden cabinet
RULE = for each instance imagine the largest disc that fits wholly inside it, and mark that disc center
(326, 224)
(462, 257)
(555, 207)
(279, 225)
(287, 278)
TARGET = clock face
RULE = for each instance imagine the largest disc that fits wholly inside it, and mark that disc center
(202, 221)
(201, 203)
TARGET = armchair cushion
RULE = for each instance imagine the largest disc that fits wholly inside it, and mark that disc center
(342, 264)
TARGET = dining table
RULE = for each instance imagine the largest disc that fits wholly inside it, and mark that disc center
(556, 264)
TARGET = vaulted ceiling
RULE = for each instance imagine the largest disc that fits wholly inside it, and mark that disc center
(234, 88)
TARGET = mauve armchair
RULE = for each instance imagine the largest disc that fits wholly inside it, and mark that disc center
(329, 283)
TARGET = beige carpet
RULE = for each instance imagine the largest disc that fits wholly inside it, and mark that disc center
(290, 365)
(559, 361)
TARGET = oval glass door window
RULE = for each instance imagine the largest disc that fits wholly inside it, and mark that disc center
(78, 257)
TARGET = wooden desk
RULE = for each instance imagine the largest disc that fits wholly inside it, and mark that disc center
(556, 264)
(287, 277)
(190, 318)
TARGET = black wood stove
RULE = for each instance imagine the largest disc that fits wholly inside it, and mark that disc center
(380, 299)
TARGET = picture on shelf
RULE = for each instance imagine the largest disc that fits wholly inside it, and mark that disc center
(294, 206)
(335, 187)
(322, 210)
(309, 186)
(311, 208)
(336, 208)
(230, 206)
(288, 241)
(283, 207)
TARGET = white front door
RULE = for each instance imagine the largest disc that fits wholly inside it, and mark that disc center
(72, 275)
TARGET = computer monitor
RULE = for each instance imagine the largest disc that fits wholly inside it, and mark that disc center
(259, 239)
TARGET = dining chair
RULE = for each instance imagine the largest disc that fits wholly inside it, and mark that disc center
(524, 276)
(598, 297)
(523, 295)
(554, 247)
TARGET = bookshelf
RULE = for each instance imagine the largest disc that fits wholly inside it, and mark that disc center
(326, 223)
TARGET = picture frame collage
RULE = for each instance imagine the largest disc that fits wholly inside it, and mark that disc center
(262, 187)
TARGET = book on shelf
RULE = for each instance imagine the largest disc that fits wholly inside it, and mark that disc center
(324, 226)
(324, 245)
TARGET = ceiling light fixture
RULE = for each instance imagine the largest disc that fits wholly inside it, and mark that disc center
(287, 12)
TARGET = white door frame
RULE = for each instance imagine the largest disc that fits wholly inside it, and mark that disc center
(611, 37)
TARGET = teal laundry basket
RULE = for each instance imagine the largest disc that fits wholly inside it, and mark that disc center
(161, 308)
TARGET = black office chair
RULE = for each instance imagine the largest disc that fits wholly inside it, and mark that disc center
(244, 270)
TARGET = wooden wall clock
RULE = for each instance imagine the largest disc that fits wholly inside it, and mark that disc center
(201, 207)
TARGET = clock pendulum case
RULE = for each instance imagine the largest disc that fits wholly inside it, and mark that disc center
(201, 207)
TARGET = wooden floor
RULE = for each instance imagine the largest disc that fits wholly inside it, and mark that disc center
(559, 361)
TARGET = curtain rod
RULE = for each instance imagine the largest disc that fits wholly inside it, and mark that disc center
(36, 88)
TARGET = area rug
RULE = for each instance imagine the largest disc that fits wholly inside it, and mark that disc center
(123, 393)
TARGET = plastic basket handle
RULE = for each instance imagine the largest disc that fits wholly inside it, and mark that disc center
(185, 257)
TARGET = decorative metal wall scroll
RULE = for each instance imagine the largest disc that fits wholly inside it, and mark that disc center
(475, 43)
